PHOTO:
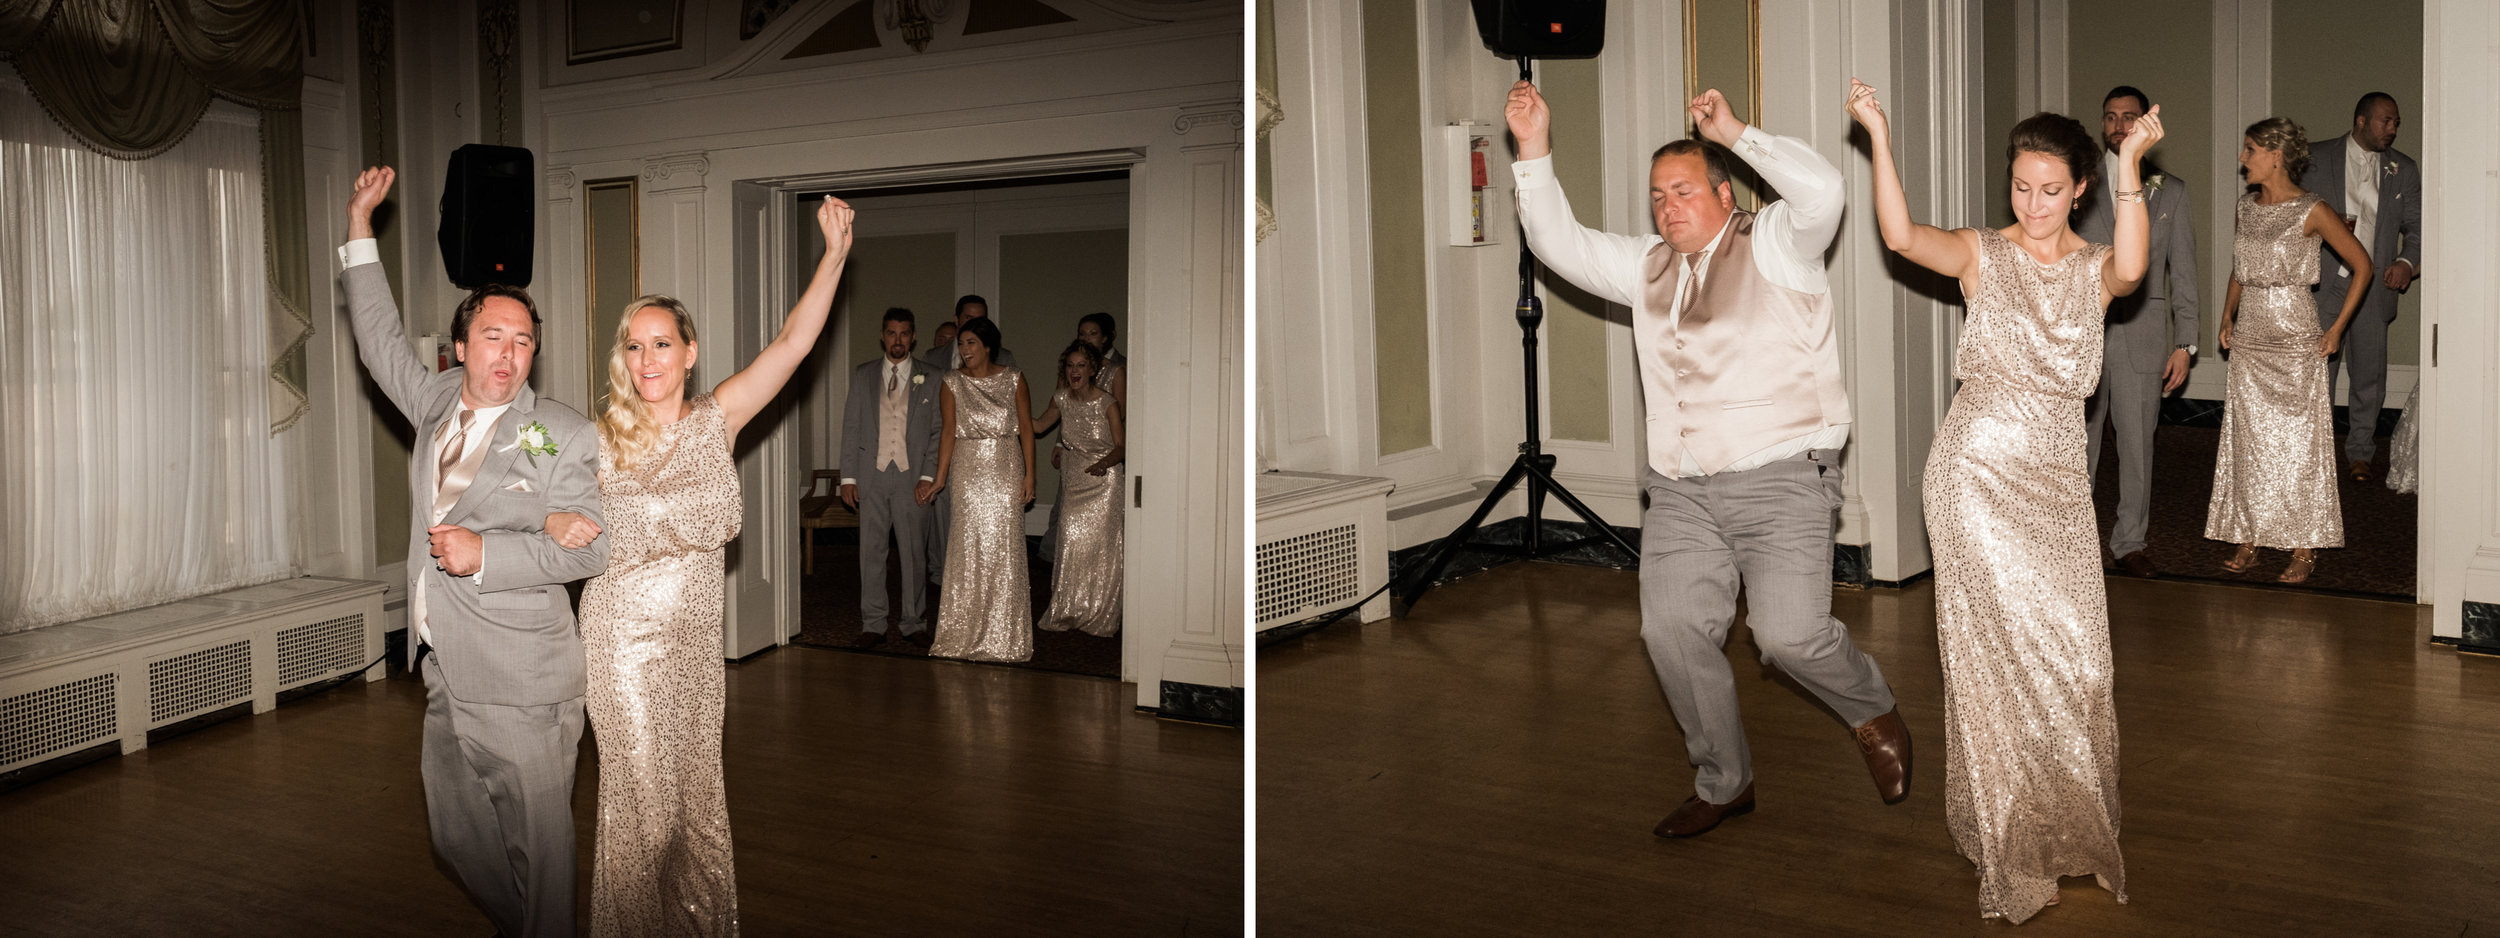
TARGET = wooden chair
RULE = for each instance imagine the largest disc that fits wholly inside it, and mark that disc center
(822, 511)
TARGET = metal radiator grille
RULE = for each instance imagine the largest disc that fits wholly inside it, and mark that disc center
(202, 680)
(1308, 571)
(56, 719)
(326, 647)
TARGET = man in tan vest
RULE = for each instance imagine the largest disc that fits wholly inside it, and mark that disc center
(1740, 378)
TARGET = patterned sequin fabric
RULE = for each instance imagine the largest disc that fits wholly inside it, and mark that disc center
(985, 601)
(2404, 450)
(2022, 615)
(2274, 472)
(1085, 585)
(651, 629)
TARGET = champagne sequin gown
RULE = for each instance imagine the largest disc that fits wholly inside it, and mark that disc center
(2274, 472)
(985, 604)
(1085, 593)
(2022, 616)
(651, 630)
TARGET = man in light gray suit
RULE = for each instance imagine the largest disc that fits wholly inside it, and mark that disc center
(889, 466)
(492, 631)
(2149, 337)
(2378, 191)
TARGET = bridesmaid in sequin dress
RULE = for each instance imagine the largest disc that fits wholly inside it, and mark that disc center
(2022, 618)
(985, 453)
(651, 625)
(1085, 591)
(2274, 472)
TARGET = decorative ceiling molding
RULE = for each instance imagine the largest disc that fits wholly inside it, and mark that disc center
(669, 172)
(1212, 116)
(1057, 164)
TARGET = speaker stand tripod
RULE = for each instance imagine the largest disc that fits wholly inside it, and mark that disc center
(1533, 465)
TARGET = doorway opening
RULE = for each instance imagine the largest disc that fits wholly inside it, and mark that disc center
(1042, 252)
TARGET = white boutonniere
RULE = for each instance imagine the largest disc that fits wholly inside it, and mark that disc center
(535, 441)
(2390, 167)
(2155, 183)
(919, 379)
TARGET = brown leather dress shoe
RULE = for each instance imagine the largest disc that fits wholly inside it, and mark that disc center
(1696, 817)
(2136, 564)
(2359, 471)
(1885, 742)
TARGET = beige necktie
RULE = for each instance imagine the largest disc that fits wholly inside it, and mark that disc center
(1692, 282)
(447, 489)
(449, 459)
(893, 378)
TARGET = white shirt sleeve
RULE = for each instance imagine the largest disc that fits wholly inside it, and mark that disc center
(1791, 234)
(1607, 265)
(359, 252)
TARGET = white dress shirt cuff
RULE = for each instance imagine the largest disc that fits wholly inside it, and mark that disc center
(1533, 174)
(359, 252)
(850, 481)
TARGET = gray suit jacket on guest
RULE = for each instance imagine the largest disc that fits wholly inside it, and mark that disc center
(859, 420)
(2144, 327)
(510, 639)
(2398, 234)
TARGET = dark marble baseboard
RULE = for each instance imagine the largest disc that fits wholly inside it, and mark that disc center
(2482, 628)
(1852, 564)
(1201, 703)
(2197, 412)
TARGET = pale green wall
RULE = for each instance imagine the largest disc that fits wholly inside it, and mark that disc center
(1401, 334)
(2326, 56)
(1055, 279)
(1575, 322)
(614, 255)
(2000, 110)
(914, 271)
(2174, 64)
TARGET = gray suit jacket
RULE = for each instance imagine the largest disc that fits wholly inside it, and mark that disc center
(859, 419)
(938, 360)
(2160, 315)
(511, 639)
(2399, 234)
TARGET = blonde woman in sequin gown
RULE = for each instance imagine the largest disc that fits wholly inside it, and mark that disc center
(1085, 591)
(985, 456)
(651, 625)
(2274, 472)
(2022, 619)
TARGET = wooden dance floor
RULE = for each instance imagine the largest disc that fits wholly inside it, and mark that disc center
(2291, 764)
(867, 795)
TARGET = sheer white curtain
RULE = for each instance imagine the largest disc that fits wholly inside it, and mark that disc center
(136, 462)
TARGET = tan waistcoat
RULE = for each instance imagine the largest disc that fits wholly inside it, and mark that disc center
(1751, 365)
(893, 415)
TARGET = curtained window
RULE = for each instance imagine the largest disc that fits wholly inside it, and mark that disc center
(137, 464)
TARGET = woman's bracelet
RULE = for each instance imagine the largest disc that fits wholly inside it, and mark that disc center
(2127, 195)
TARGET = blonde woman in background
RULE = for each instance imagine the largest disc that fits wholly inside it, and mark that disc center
(2274, 473)
(651, 625)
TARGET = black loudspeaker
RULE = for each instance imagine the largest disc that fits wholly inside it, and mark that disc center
(489, 215)
(1543, 29)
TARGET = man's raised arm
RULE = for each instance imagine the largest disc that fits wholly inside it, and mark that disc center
(1606, 265)
(381, 342)
(1808, 184)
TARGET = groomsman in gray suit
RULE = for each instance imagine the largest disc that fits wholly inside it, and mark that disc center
(492, 631)
(941, 353)
(2379, 192)
(1746, 416)
(889, 464)
(2149, 337)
